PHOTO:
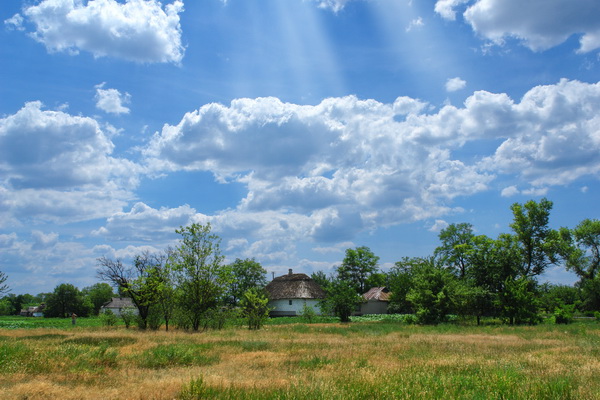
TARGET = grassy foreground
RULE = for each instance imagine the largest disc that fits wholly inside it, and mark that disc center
(297, 361)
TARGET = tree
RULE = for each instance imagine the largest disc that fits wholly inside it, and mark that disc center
(518, 301)
(245, 274)
(255, 307)
(65, 300)
(162, 283)
(456, 244)
(3, 286)
(341, 300)
(321, 279)
(400, 282)
(201, 277)
(582, 246)
(432, 291)
(538, 243)
(135, 281)
(98, 294)
(357, 267)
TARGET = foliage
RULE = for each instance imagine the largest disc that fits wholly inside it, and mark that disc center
(400, 282)
(537, 242)
(98, 294)
(137, 281)
(341, 300)
(432, 291)
(3, 286)
(198, 271)
(255, 308)
(590, 290)
(455, 247)
(128, 315)
(108, 318)
(358, 265)
(65, 300)
(308, 313)
(321, 279)
(553, 296)
(154, 320)
(518, 302)
(582, 249)
(6, 307)
(245, 274)
(564, 314)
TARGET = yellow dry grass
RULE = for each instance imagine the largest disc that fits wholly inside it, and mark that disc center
(110, 364)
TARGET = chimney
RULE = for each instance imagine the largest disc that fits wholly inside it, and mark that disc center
(290, 273)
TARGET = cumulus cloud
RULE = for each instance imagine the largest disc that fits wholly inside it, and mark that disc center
(438, 225)
(539, 24)
(134, 30)
(111, 100)
(58, 166)
(334, 5)
(509, 191)
(455, 84)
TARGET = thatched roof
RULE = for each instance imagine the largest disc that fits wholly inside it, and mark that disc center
(119, 302)
(377, 293)
(294, 286)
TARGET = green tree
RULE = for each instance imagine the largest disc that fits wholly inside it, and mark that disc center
(432, 291)
(582, 246)
(358, 265)
(245, 274)
(537, 242)
(98, 294)
(161, 281)
(400, 282)
(6, 307)
(341, 300)
(518, 301)
(135, 281)
(255, 307)
(455, 247)
(201, 277)
(65, 300)
(3, 286)
(321, 279)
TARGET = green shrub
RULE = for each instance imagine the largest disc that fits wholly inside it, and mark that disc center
(196, 389)
(308, 313)
(128, 315)
(108, 318)
(564, 314)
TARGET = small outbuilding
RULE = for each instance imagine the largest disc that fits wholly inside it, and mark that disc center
(289, 293)
(117, 304)
(376, 301)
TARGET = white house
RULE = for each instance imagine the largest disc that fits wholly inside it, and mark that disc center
(117, 304)
(289, 293)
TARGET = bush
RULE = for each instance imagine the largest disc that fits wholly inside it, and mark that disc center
(128, 315)
(308, 313)
(564, 314)
(108, 318)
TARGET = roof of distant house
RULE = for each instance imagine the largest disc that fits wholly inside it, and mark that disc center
(377, 293)
(294, 286)
(119, 302)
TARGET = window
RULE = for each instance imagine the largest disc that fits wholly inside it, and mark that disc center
(290, 302)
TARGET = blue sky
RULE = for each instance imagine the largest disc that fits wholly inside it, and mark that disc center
(297, 128)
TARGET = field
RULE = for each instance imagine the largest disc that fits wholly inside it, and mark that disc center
(361, 360)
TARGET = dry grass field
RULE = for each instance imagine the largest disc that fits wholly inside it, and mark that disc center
(296, 361)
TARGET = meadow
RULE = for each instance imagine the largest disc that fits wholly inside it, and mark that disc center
(295, 360)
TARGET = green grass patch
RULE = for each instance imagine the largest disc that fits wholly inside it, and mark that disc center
(169, 355)
(102, 341)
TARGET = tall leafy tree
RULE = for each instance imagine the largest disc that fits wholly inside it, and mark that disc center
(199, 272)
(134, 281)
(537, 242)
(341, 300)
(98, 294)
(3, 286)
(456, 243)
(583, 248)
(321, 279)
(65, 300)
(358, 265)
(255, 307)
(245, 274)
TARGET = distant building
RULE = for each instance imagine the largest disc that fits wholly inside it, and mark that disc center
(33, 311)
(376, 301)
(289, 293)
(117, 304)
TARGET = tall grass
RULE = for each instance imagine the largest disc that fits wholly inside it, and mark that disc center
(297, 361)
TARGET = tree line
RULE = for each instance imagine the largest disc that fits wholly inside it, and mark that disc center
(469, 275)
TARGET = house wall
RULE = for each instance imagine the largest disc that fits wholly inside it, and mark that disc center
(374, 307)
(117, 310)
(282, 308)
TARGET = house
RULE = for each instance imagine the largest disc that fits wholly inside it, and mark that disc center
(33, 311)
(289, 293)
(117, 304)
(376, 301)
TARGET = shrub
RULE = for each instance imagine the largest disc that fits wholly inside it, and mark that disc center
(128, 315)
(308, 313)
(564, 314)
(108, 318)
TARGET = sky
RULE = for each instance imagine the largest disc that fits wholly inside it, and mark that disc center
(297, 128)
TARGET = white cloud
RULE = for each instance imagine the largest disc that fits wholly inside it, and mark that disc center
(334, 5)
(509, 191)
(455, 84)
(136, 30)
(111, 100)
(415, 24)
(15, 22)
(540, 24)
(58, 166)
(439, 225)
(446, 8)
